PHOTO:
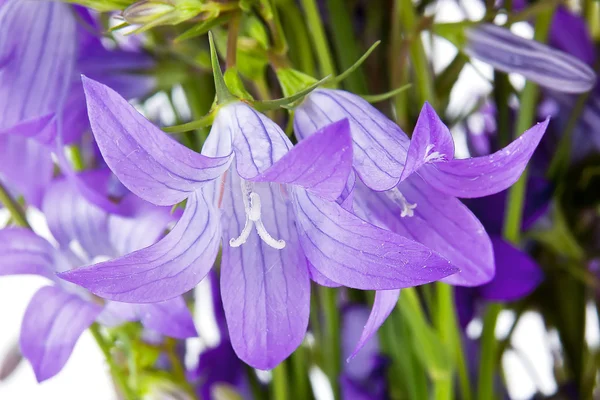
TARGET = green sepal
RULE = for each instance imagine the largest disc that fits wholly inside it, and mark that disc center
(223, 93)
(357, 64)
(293, 81)
(103, 5)
(288, 102)
(203, 122)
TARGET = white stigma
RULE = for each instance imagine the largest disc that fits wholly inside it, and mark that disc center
(398, 198)
(252, 207)
(433, 155)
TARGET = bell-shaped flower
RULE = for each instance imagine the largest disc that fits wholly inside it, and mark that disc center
(273, 206)
(44, 47)
(410, 186)
(59, 313)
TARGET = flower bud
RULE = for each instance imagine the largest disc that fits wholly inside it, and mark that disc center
(146, 11)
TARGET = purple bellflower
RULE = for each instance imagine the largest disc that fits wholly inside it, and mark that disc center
(410, 186)
(59, 313)
(274, 209)
(44, 47)
(550, 68)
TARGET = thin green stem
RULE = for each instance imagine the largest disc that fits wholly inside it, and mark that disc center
(301, 383)
(16, 211)
(487, 362)
(280, 382)
(331, 343)
(116, 372)
(318, 37)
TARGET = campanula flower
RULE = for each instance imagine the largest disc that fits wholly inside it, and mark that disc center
(273, 207)
(549, 68)
(59, 313)
(44, 47)
(410, 186)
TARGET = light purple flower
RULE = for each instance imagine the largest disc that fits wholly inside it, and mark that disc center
(274, 210)
(536, 61)
(410, 186)
(58, 314)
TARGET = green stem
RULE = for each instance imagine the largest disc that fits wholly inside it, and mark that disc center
(398, 54)
(501, 94)
(345, 46)
(332, 346)
(487, 362)
(301, 383)
(280, 383)
(300, 51)
(116, 372)
(15, 210)
(318, 37)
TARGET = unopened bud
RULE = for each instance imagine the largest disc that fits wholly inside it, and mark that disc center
(147, 11)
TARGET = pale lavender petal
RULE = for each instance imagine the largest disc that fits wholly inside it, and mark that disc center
(517, 274)
(320, 164)
(258, 142)
(147, 161)
(116, 313)
(431, 141)
(170, 318)
(265, 291)
(536, 61)
(346, 199)
(52, 324)
(26, 167)
(440, 222)
(486, 175)
(380, 146)
(24, 252)
(319, 278)
(37, 53)
(354, 253)
(385, 302)
(164, 270)
(71, 218)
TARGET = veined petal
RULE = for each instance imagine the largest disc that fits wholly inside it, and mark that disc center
(354, 253)
(164, 270)
(52, 324)
(537, 62)
(385, 302)
(265, 291)
(26, 167)
(517, 274)
(258, 142)
(170, 318)
(37, 53)
(440, 222)
(320, 164)
(24, 252)
(431, 141)
(147, 161)
(319, 278)
(71, 218)
(482, 176)
(380, 146)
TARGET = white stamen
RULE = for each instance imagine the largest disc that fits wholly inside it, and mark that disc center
(252, 207)
(398, 198)
(433, 155)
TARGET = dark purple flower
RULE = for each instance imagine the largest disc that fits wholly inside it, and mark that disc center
(274, 210)
(410, 186)
(58, 314)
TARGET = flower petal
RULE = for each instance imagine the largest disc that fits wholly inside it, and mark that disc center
(52, 324)
(354, 253)
(265, 291)
(147, 161)
(258, 142)
(440, 222)
(536, 61)
(385, 302)
(24, 252)
(319, 278)
(37, 53)
(431, 141)
(517, 274)
(320, 164)
(482, 176)
(164, 270)
(170, 318)
(380, 146)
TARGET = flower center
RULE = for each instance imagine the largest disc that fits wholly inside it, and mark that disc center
(252, 207)
(398, 198)
(432, 156)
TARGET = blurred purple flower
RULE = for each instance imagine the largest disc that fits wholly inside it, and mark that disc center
(58, 314)
(44, 48)
(273, 209)
(410, 186)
